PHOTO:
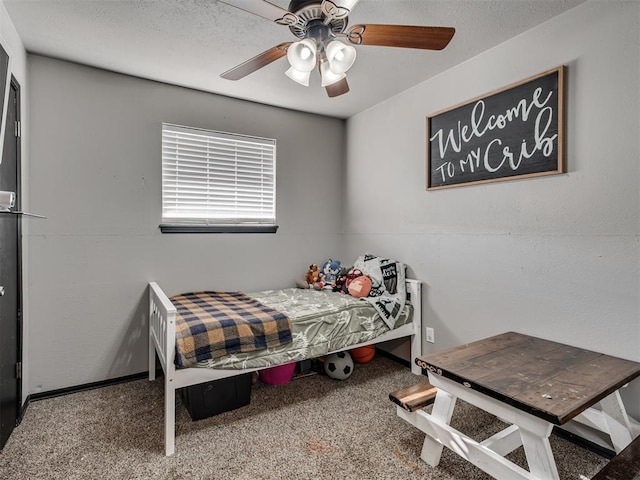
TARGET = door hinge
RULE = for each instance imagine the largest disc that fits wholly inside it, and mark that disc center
(19, 370)
(18, 129)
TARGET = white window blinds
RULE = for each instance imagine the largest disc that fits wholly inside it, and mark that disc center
(216, 178)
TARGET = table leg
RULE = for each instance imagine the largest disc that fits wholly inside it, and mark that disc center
(534, 433)
(442, 410)
(539, 456)
(617, 421)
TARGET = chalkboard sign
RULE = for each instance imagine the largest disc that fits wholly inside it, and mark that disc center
(515, 132)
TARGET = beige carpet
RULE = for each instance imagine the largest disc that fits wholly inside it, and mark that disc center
(311, 428)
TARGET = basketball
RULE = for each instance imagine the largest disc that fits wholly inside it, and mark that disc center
(363, 354)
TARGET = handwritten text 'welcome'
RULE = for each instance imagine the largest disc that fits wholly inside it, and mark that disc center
(492, 156)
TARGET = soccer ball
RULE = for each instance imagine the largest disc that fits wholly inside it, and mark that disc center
(339, 365)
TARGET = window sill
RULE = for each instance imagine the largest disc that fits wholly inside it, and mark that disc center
(175, 228)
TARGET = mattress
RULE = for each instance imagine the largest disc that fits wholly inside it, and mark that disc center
(321, 322)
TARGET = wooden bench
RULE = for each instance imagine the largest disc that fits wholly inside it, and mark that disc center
(414, 397)
(624, 466)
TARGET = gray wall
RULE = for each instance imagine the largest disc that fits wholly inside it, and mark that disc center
(95, 172)
(557, 256)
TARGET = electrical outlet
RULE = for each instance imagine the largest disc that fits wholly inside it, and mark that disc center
(431, 337)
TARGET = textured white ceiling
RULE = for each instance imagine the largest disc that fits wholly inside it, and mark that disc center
(191, 42)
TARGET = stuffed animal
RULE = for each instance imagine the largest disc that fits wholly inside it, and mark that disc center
(351, 276)
(313, 275)
(360, 286)
(338, 284)
(330, 271)
(345, 277)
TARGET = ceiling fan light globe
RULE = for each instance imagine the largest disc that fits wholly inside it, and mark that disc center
(329, 77)
(305, 53)
(302, 55)
(297, 76)
(340, 56)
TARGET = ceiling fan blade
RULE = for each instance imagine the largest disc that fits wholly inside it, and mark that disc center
(266, 10)
(257, 62)
(406, 36)
(339, 88)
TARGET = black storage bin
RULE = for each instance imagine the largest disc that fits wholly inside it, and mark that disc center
(211, 398)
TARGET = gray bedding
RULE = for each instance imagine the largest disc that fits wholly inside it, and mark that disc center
(322, 321)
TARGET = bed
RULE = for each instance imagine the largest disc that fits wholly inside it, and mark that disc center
(162, 342)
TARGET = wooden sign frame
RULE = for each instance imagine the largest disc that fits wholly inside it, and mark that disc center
(511, 133)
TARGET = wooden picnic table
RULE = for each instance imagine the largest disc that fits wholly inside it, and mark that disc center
(531, 383)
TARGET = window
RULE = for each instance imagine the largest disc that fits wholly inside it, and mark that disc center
(217, 182)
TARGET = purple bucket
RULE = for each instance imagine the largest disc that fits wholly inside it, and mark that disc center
(278, 375)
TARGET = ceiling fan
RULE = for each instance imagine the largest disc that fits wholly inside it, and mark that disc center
(321, 25)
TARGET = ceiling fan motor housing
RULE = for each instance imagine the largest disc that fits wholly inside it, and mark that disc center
(311, 17)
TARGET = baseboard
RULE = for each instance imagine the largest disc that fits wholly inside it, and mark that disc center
(87, 386)
(34, 397)
(583, 442)
(391, 356)
(23, 409)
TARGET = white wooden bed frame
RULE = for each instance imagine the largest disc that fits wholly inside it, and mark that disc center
(162, 340)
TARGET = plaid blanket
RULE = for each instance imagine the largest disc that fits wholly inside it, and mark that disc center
(213, 324)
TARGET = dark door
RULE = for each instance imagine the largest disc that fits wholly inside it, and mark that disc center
(10, 273)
